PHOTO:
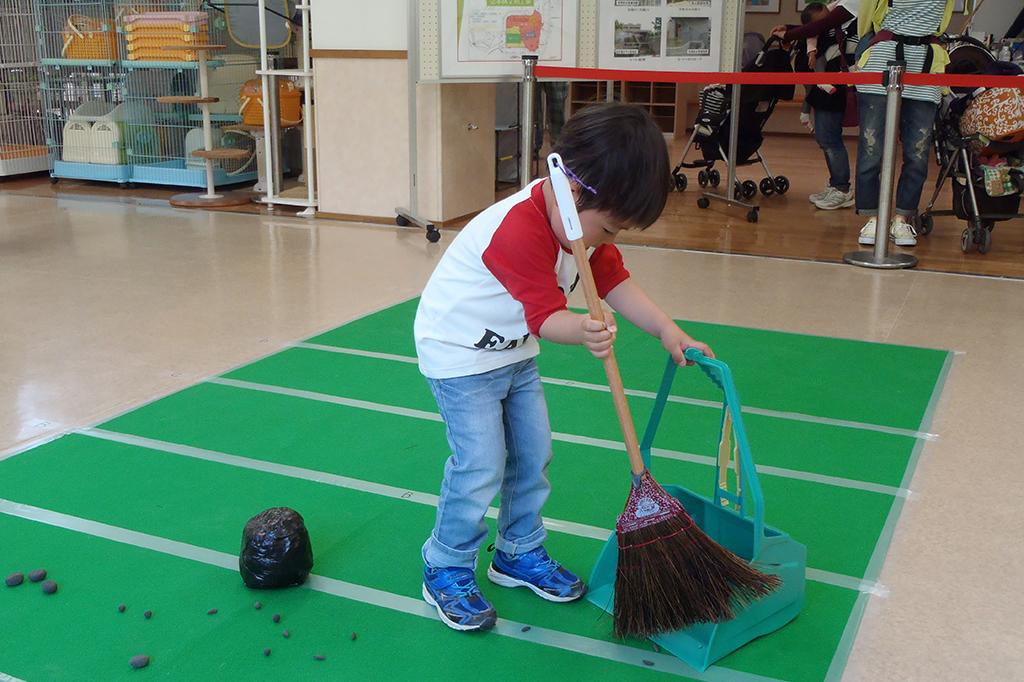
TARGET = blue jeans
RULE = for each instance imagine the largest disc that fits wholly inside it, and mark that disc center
(498, 430)
(916, 119)
(828, 131)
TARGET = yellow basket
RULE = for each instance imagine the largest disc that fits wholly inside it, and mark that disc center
(89, 38)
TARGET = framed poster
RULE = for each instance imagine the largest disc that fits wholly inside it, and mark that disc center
(763, 6)
(660, 35)
(486, 39)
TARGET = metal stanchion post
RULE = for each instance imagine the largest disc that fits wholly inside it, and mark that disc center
(879, 258)
(526, 119)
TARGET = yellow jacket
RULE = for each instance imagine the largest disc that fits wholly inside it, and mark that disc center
(872, 13)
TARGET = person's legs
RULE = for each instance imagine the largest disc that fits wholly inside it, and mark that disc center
(828, 132)
(557, 93)
(472, 410)
(869, 151)
(916, 122)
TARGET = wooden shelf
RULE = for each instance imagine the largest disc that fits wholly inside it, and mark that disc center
(185, 99)
(659, 99)
(222, 153)
(206, 47)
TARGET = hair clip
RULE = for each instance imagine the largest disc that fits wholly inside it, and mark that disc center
(575, 178)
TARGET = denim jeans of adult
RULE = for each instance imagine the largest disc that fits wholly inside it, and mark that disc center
(915, 128)
(498, 430)
(828, 131)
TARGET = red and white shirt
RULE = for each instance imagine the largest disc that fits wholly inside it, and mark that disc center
(495, 286)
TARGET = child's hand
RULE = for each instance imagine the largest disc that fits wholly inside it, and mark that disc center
(676, 341)
(598, 337)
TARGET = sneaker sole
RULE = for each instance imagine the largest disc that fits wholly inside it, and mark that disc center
(845, 204)
(865, 241)
(505, 580)
(449, 622)
(904, 242)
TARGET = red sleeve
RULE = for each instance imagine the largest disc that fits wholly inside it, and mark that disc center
(837, 17)
(523, 260)
(609, 272)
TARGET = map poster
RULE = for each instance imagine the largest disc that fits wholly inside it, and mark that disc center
(487, 38)
(660, 35)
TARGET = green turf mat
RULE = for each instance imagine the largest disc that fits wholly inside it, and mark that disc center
(838, 378)
(818, 448)
(589, 485)
(78, 634)
(356, 537)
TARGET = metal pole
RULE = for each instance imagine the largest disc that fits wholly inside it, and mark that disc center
(879, 258)
(307, 119)
(204, 91)
(734, 113)
(526, 120)
(268, 149)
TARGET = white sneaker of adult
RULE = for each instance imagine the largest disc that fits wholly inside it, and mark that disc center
(835, 199)
(902, 232)
(867, 233)
(818, 196)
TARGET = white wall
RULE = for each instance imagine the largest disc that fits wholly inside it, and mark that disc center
(360, 24)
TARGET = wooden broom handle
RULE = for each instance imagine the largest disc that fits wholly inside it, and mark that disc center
(611, 367)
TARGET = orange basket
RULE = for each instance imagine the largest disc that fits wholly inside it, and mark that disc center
(89, 38)
(289, 96)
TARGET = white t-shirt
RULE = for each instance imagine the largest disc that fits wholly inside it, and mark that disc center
(497, 283)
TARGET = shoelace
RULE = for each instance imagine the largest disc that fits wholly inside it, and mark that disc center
(461, 585)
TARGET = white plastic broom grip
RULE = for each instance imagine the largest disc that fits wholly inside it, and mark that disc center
(564, 199)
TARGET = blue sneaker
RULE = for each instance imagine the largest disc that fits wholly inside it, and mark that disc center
(455, 595)
(536, 570)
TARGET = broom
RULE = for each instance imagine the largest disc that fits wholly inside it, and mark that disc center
(670, 573)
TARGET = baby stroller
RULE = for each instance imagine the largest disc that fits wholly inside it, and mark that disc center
(711, 128)
(987, 175)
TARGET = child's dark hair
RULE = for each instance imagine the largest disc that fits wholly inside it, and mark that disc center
(811, 11)
(620, 151)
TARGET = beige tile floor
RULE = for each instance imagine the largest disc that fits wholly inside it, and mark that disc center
(104, 306)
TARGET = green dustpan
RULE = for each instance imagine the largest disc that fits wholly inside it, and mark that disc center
(724, 517)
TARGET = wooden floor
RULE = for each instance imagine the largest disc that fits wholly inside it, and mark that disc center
(789, 226)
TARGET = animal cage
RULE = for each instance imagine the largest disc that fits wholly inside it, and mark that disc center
(22, 145)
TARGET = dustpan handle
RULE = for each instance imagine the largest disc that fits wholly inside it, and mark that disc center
(732, 401)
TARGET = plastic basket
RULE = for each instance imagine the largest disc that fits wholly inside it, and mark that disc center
(724, 517)
(89, 38)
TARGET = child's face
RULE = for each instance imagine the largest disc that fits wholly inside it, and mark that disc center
(599, 227)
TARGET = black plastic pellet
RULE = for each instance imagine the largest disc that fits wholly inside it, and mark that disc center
(258, 605)
(211, 612)
(266, 652)
(49, 587)
(646, 662)
(15, 579)
(353, 637)
(277, 617)
(37, 575)
(140, 661)
(147, 615)
(121, 608)
(286, 634)
(320, 657)
(525, 628)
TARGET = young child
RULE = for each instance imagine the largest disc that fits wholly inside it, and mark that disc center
(500, 286)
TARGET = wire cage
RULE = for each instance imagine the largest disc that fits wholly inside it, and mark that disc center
(22, 145)
(106, 64)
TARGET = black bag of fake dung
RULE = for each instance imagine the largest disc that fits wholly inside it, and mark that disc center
(275, 549)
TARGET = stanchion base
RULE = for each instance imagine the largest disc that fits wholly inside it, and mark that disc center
(199, 200)
(892, 261)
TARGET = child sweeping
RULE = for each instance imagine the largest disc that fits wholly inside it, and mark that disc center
(500, 286)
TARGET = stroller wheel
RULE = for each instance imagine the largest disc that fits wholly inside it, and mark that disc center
(752, 215)
(767, 187)
(714, 177)
(680, 180)
(702, 178)
(703, 202)
(749, 189)
(781, 184)
(925, 224)
(985, 238)
(966, 240)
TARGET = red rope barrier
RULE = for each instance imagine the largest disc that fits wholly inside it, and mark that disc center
(843, 78)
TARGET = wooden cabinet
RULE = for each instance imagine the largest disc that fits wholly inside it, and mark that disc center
(662, 100)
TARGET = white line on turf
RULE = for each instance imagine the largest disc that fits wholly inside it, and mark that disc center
(558, 525)
(835, 481)
(777, 414)
(396, 602)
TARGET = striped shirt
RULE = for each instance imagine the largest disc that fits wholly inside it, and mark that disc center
(907, 18)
